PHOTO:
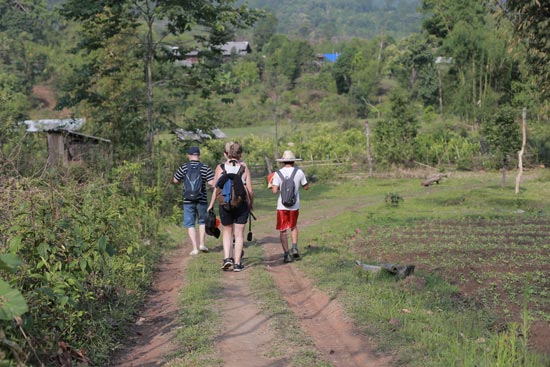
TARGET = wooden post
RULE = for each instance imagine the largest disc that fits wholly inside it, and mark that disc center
(522, 150)
(369, 158)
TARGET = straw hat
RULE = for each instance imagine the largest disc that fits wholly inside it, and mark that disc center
(288, 156)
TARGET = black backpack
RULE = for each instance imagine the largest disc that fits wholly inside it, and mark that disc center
(192, 182)
(288, 189)
(232, 192)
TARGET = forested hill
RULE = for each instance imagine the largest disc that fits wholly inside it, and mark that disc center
(337, 19)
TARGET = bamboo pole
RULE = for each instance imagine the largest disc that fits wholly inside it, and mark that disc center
(522, 150)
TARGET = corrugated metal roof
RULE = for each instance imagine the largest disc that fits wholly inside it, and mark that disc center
(73, 124)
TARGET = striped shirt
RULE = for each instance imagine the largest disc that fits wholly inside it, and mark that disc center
(206, 174)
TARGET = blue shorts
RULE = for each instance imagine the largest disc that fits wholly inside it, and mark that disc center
(192, 211)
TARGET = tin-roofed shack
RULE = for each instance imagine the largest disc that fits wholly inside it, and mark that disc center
(67, 146)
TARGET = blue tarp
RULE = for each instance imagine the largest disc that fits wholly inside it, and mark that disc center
(331, 57)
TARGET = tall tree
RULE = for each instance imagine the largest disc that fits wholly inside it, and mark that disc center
(502, 133)
(530, 23)
(210, 22)
(395, 135)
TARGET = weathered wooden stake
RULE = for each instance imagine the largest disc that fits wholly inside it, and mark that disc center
(522, 150)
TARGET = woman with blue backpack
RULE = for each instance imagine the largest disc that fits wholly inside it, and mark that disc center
(235, 196)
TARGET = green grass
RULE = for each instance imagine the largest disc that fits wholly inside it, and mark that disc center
(423, 320)
(199, 316)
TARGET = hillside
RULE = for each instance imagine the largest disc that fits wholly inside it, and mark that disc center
(341, 19)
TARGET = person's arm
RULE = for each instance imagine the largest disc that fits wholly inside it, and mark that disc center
(304, 182)
(275, 183)
(211, 181)
(217, 175)
(178, 175)
(249, 188)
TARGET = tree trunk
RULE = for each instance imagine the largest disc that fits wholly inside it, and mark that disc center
(522, 150)
(149, 83)
(369, 158)
(503, 179)
(440, 91)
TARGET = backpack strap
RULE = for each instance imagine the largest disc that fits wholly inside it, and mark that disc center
(294, 173)
(291, 176)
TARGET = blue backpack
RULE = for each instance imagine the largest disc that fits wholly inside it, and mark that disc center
(232, 193)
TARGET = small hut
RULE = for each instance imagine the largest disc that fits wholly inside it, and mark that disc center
(66, 145)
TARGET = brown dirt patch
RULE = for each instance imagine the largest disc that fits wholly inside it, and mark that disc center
(321, 316)
(247, 337)
(45, 98)
(490, 260)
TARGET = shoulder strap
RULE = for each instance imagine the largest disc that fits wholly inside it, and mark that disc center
(294, 173)
(222, 166)
(281, 175)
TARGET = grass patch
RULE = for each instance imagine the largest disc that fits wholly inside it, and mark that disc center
(425, 320)
(199, 316)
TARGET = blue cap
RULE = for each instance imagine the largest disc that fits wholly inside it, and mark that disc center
(194, 151)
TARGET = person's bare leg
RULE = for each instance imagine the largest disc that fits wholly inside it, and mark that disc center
(239, 242)
(284, 240)
(202, 237)
(227, 240)
(193, 237)
(294, 235)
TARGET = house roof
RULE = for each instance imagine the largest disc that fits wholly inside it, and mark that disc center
(198, 135)
(238, 48)
(72, 124)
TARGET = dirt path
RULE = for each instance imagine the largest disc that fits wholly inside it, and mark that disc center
(248, 337)
(149, 340)
(320, 316)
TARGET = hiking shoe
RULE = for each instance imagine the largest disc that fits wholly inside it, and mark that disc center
(227, 263)
(295, 253)
(194, 252)
(287, 258)
(203, 248)
(238, 267)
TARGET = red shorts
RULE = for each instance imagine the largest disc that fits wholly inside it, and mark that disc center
(287, 219)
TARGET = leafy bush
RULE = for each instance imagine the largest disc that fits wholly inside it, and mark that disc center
(87, 255)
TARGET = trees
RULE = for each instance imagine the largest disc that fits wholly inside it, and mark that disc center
(530, 23)
(503, 136)
(394, 137)
(134, 21)
(287, 58)
(415, 68)
(481, 70)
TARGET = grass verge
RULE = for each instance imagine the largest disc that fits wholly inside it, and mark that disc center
(199, 316)
(422, 320)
